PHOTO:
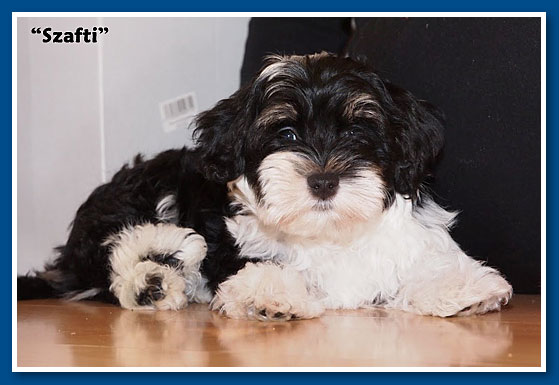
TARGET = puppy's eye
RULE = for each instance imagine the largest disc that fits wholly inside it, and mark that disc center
(288, 133)
(348, 133)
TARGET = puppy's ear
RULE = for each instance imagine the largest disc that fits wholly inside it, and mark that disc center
(220, 137)
(418, 133)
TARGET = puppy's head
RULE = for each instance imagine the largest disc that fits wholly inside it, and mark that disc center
(321, 142)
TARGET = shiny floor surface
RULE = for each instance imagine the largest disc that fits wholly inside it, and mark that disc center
(57, 333)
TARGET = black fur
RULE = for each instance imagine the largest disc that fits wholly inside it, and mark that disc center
(130, 198)
(401, 136)
(33, 288)
(403, 142)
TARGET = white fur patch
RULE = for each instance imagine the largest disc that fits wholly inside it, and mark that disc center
(131, 271)
(267, 292)
(401, 257)
(288, 207)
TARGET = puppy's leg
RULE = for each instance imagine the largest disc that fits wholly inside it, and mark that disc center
(155, 266)
(266, 292)
(462, 286)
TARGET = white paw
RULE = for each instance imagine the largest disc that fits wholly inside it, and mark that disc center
(449, 295)
(155, 266)
(266, 292)
(151, 286)
(498, 294)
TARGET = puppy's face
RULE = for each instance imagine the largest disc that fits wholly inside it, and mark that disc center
(321, 143)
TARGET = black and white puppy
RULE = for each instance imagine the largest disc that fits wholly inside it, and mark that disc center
(304, 193)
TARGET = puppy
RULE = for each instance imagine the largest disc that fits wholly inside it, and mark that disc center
(304, 193)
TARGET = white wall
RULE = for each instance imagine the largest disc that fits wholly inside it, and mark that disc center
(150, 60)
(84, 110)
(58, 138)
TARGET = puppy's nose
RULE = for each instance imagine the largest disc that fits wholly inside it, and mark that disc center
(323, 185)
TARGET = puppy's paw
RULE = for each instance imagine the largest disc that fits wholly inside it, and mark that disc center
(266, 292)
(498, 293)
(266, 308)
(151, 286)
(460, 295)
(152, 292)
(156, 266)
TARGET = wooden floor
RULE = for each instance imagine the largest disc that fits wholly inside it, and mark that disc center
(56, 333)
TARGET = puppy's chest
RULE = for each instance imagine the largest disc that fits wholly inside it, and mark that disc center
(348, 276)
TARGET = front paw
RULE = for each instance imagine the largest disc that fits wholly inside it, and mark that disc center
(449, 295)
(266, 292)
(265, 308)
(498, 293)
(150, 285)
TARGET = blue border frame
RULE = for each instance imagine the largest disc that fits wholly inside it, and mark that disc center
(552, 18)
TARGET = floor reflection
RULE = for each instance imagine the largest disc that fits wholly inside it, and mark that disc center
(196, 337)
(383, 338)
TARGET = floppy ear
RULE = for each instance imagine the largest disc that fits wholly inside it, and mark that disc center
(418, 131)
(220, 137)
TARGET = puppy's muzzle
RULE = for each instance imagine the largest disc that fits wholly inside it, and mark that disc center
(323, 185)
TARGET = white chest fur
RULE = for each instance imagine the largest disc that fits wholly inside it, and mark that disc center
(366, 263)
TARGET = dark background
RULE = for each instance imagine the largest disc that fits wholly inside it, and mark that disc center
(484, 74)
